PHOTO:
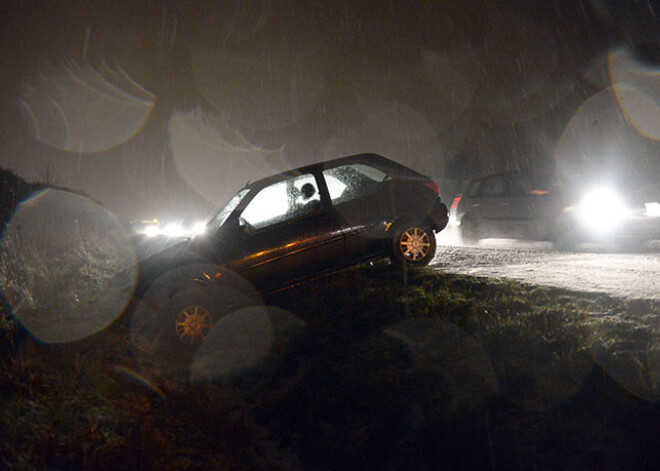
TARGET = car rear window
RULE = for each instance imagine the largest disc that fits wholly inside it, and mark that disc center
(352, 181)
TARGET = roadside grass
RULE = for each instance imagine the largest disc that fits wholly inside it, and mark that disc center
(417, 370)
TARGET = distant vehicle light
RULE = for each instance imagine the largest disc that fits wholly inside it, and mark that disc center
(173, 230)
(652, 209)
(151, 231)
(199, 228)
(602, 209)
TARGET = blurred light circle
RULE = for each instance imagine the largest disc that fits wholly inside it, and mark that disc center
(597, 72)
(519, 77)
(81, 108)
(637, 87)
(394, 130)
(245, 342)
(235, 24)
(180, 281)
(454, 74)
(633, 360)
(425, 80)
(599, 142)
(634, 21)
(266, 88)
(72, 263)
(215, 159)
(443, 350)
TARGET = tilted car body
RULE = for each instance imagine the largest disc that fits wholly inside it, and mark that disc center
(520, 205)
(290, 227)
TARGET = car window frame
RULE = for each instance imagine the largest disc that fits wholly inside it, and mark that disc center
(249, 229)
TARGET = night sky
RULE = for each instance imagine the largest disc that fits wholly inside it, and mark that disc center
(165, 109)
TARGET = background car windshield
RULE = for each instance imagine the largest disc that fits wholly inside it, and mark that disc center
(282, 201)
(221, 217)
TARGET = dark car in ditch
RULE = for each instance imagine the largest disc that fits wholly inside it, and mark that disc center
(279, 231)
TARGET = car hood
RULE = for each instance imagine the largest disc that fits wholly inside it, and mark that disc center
(154, 265)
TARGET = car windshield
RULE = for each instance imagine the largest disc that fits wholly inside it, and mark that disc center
(221, 216)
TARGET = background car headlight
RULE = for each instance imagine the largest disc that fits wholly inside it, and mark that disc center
(173, 230)
(602, 209)
(151, 231)
(199, 228)
(652, 210)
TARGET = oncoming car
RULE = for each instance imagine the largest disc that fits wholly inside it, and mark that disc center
(281, 230)
(519, 205)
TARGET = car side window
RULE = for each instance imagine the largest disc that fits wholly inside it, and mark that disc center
(520, 187)
(474, 190)
(494, 188)
(351, 181)
(282, 201)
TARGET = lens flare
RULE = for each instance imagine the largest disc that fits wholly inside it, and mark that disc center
(637, 87)
(215, 159)
(80, 108)
(245, 342)
(71, 263)
(442, 350)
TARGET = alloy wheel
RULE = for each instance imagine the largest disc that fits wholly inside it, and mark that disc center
(193, 324)
(415, 244)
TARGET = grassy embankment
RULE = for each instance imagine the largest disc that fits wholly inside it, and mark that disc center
(427, 371)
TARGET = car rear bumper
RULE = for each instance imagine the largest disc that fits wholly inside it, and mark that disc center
(638, 228)
(440, 215)
(647, 228)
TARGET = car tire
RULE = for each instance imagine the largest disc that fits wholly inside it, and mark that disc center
(413, 245)
(469, 231)
(166, 333)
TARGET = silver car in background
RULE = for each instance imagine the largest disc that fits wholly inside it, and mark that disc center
(520, 205)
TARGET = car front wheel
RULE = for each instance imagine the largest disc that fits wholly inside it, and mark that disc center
(414, 245)
(166, 333)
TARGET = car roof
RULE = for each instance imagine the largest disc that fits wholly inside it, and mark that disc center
(374, 160)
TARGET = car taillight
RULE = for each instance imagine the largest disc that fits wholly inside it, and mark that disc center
(454, 204)
(433, 186)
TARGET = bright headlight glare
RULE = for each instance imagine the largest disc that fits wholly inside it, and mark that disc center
(151, 231)
(602, 209)
(173, 230)
(652, 210)
(199, 228)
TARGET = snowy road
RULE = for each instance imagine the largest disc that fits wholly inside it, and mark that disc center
(594, 269)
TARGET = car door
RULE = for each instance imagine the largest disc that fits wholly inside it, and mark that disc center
(530, 205)
(286, 233)
(490, 206)
(351, 188)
